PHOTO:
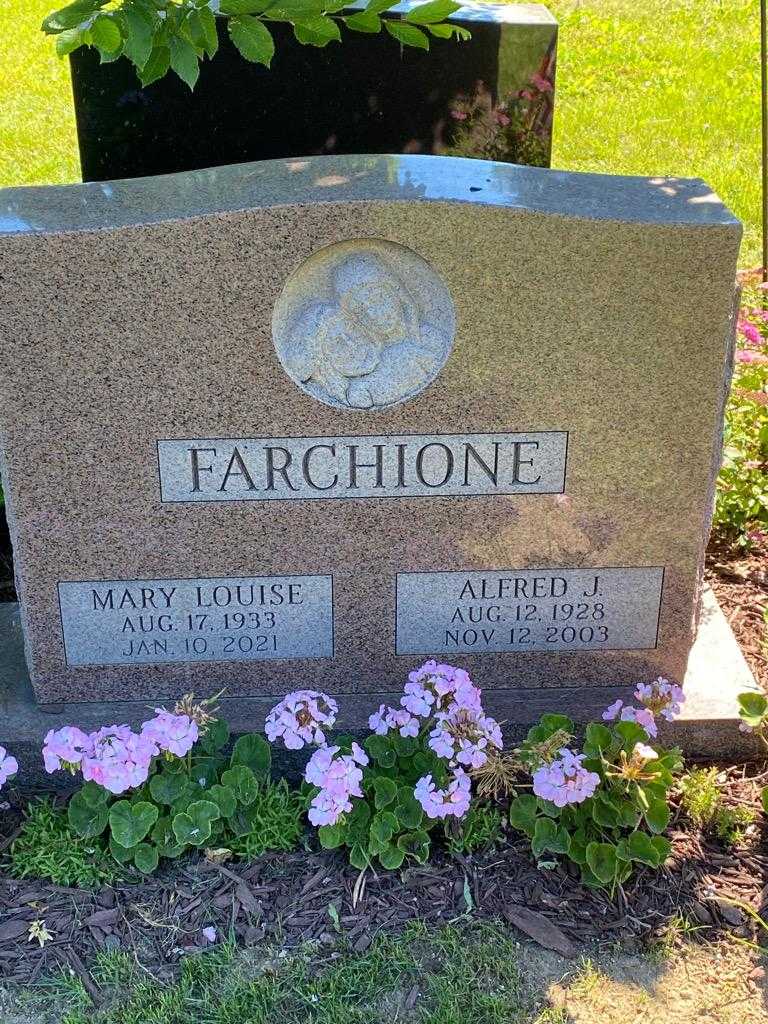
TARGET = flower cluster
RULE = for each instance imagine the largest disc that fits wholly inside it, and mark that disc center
(565, 780)
(339, 777)
(301, 718)
(464, 735)
(385, 718)
(436, 688)
(452, 801)
(8, 766)
(658, 698)
(115, 757)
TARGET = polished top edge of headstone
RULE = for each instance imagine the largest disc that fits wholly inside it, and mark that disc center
(90, 206)
(495, 14)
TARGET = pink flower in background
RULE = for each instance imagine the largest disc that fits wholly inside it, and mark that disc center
(65, 746)
(612, 711)
(502, 118)
(209, 934)
(643, 717)
(120, 758)
(175, 734)
(8, 766)
(443, 803)
(750, 332)
(745, 355)
(542, 84)
(565, 780)
(458, 115)
(300, 718)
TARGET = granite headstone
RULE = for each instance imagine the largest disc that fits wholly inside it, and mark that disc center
(309, 423)
(490, 97)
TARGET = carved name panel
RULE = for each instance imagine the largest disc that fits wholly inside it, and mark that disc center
(520, 611)
(396, 466)
(128, 622)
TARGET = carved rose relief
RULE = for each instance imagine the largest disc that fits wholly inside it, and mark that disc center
(364, 325)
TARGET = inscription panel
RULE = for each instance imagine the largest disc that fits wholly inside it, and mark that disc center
(388, 466)
(129, 622)
(528, 610)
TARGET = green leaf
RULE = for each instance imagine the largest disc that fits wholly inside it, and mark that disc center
(380, 749)
(752, 708)
(365, 21)
(436, 10)
(139, 34)
(120, 853)
(641, 848)
(383, 826)
(184, 60)
(358, 857)
(129, 823)
(449, 30)
(317, 30)
(663, 847)
(331, 836)
(68, 40)
(523, 812)
(145, 858)
(252, 39)
(604, 812)
(194, 826)
(71, 16)
(244, 6)
(656, 815)
(358, 821)
(87, 816)
(158, 64)
(202, 26)
(597, 737)
(224, 798)
(408, 35)
(162, 835)
(404, 746)
(630, 734)
(415, 844)
(378, 6)
(391, 857)
(386, 791)
(408, 810)
(106, 35)
(547, 836)
(241, 780)
(602, 861)
(167, 787)
(254, 752)
(764, 798)
(555, 723)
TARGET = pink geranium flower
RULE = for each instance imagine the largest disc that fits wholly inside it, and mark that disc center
(8, 766)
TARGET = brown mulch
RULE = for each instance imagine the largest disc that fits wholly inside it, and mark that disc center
(740, 583)
(283, 899)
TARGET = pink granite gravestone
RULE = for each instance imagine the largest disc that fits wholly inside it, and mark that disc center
(307, 424)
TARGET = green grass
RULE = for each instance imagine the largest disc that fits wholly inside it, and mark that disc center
(657, 87)
(459, 974)
(47, 847)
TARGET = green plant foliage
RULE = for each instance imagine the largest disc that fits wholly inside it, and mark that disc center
(158, 36)
(204, 799)
(700, 795)
(275, 821)
(388, 824)
(479, 829)
(49, 847)
(732, 824)
(741, 508)
(620, 825)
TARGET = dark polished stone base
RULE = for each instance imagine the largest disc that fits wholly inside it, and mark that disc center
(365, 95)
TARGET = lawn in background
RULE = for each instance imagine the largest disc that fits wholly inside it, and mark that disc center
(650, 87)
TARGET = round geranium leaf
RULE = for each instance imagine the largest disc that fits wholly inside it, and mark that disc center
(391, 857)
(86, 818)
(130, 823)
(145, 858)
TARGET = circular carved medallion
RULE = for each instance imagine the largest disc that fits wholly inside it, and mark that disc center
(363, 324)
